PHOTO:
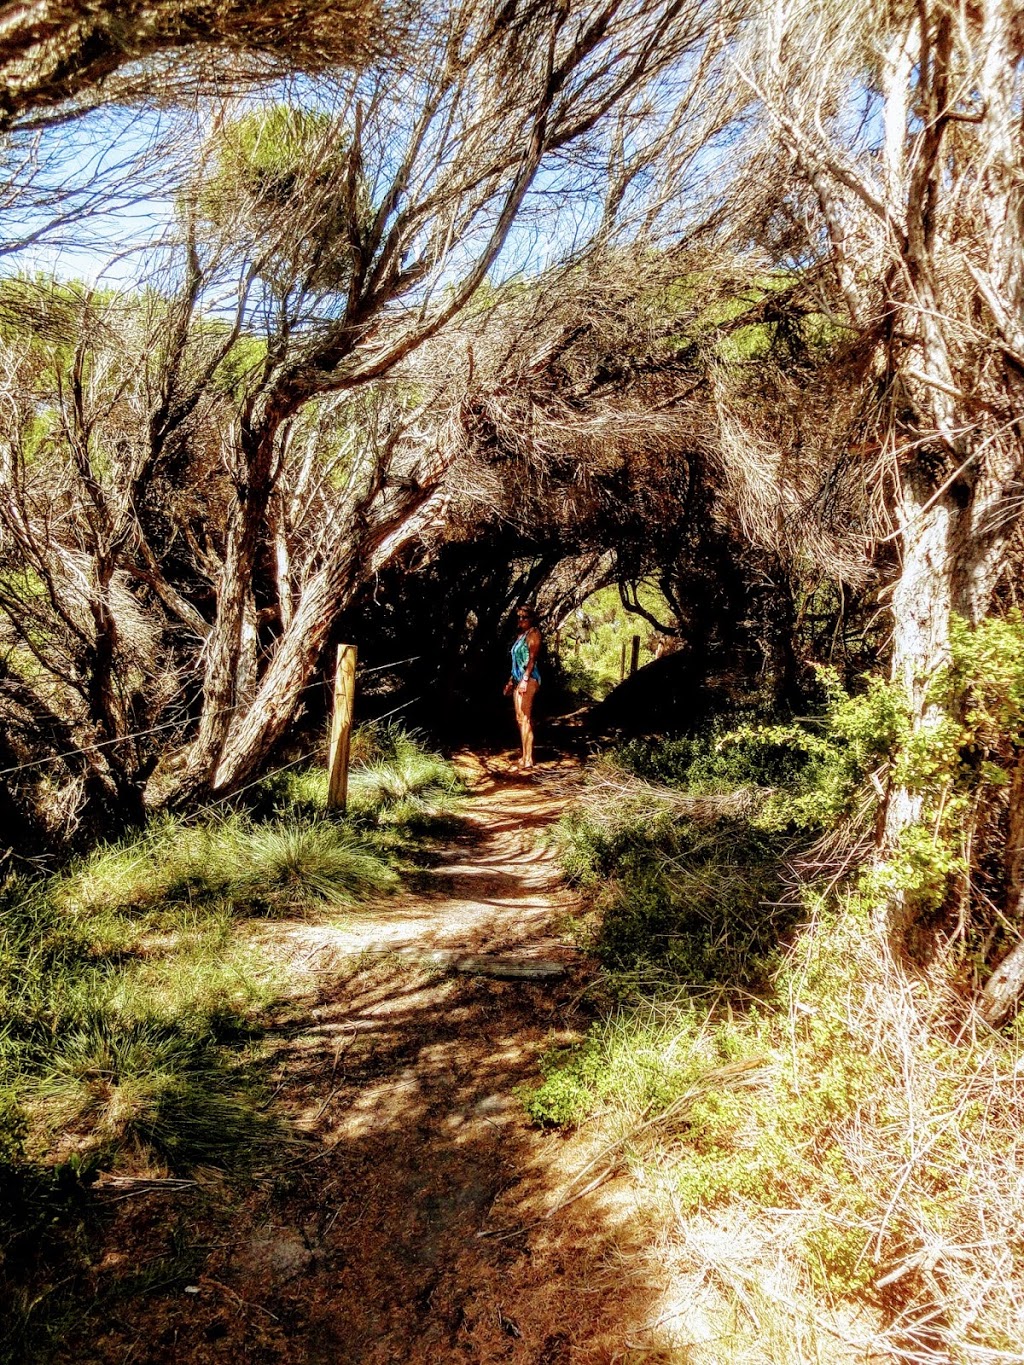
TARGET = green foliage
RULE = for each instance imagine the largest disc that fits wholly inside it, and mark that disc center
(271, 145)
(243, 362)
(745, 320)
(985, 683)
(808, 771)
(838, 1257)
(592, 642)
(825, 1100)
(281, 164)
(580, 681)
(49, 317)
(644, 1059)
(263, 157)
(957, 765)
(573, 1081)
(696, 896)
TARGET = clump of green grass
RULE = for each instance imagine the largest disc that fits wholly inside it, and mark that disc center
(101, 1049)
(287, 865)
(696, 901)
(114, 1083)
(396, 786)
(396, 777)
(280, 865)
(641, 1061)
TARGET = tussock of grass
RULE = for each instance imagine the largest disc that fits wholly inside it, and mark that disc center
(695, 899)
(400, 780)
(95, 1048)
(397, 787)
(642, 1061)
(282, 865)
(287, 865)
(117, 1082)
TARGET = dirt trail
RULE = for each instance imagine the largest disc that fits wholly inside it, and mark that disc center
(391, 1242)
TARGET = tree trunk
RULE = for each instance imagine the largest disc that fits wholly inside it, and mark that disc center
(225, 645)
(922, 605)
(254, 731)
(1003, 989)
(952, 552)
(321, 603)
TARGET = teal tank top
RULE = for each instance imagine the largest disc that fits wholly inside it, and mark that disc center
(520, 658)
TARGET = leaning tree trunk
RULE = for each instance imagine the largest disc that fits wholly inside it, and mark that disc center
(225, 645)
(326, 596)
(254, 730)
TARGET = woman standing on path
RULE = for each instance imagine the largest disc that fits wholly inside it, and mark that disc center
(525, 679)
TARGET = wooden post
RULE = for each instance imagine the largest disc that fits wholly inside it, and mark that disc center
(634, 658)
(622, 661)
(341, 727)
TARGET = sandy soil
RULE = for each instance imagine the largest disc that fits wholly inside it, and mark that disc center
(416, 1225)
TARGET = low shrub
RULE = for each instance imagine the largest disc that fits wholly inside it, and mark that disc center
(807, 772)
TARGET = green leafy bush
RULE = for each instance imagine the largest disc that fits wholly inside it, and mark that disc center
(809, 771)
(956, 768)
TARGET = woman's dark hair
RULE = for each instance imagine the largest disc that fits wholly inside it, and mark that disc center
(529, 612)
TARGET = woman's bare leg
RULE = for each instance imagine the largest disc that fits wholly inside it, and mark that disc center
(524, 711)
(517, 702)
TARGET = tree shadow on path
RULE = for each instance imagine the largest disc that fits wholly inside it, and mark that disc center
(414, 1227)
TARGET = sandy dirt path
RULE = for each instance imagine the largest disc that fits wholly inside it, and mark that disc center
(417, 1230)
